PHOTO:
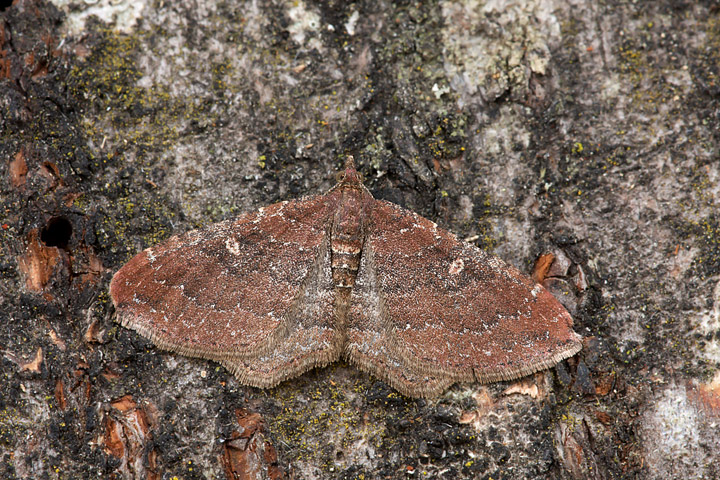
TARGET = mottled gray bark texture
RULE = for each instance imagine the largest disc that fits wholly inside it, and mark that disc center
(584, 130)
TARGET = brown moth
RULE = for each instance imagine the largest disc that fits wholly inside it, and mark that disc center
(302, 283)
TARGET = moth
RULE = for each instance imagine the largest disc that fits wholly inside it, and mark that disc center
(299, 284)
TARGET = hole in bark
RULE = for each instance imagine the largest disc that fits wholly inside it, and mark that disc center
(5, 4)
(57, 232)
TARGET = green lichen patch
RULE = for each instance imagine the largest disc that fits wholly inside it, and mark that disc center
(321, 422)
(485, 212)
(119, 110)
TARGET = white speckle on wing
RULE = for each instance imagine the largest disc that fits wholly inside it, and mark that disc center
(457, 266)
(232, 245)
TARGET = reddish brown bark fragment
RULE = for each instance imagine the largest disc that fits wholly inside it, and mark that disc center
(35, 364)
(127, 437)
(60, 395)
(114, 444)
(604, 383)
(93, 334)
(18, 170)
(707, 395)
(5, 62)
(485, 404)
(31, 365)
(38, 263)
(248, 455)
(542, 267)
(573, 444)
(603, 417)
(527, 386)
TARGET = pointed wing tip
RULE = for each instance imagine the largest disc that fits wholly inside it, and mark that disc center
(120, 288)
(115, 288)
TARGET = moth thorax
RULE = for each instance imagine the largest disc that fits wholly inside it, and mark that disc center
(346, 239)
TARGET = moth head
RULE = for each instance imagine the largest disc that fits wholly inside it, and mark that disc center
(349, 175)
